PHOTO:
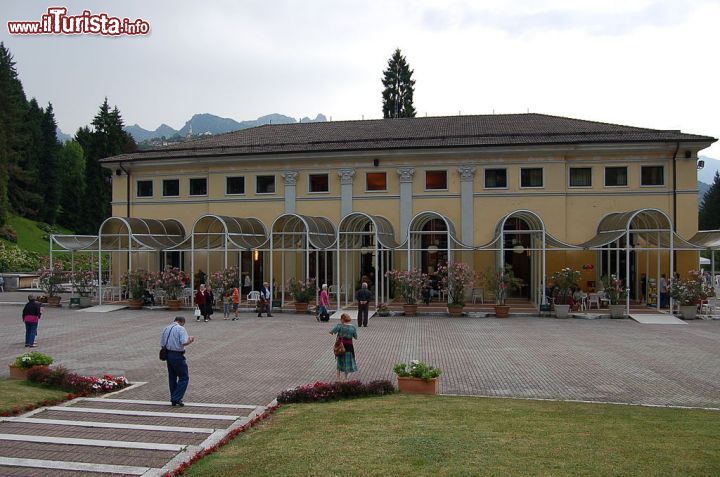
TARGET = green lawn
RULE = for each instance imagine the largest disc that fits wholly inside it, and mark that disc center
(449, 436)
(30, 237)
(15, 392)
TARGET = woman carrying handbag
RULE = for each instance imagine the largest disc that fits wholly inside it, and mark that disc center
(345, 333)
(200, 302)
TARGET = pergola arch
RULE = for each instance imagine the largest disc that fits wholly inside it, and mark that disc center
(360, 233)
(416, 231)
(300, 233)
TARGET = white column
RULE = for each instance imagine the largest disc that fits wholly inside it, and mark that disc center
(346, 191)
(467, 178)
(406, 182)
(290, 178)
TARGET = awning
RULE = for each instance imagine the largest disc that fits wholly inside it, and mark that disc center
(289, 230)
(75, 243)
(707, 239)
(535, 225)
(352, 231)
(123, 233)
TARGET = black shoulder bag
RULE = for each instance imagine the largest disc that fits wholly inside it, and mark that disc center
(163, 349)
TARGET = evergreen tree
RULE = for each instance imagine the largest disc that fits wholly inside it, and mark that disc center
(106, 139)
(399, 88)
(710, 207)
(48, 167)
(71, 163)
(26, 196)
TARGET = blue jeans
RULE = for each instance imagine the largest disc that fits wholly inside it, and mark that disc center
(178, 375)
(30, 333)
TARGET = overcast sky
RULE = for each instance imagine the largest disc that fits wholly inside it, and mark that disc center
(642, 63)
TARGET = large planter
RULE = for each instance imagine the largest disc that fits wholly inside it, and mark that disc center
(410, 310)
(455, 310)
(85, 301)
(174, 305)
(54, 301)
(134, 304)
(301, 307)
(21, 373)
(688, 312)
(502, 311)
(617, 311)
(417, 386)
(562, 311)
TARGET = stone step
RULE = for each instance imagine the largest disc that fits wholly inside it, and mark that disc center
(91, 442)
(124, 412)
(165, 403)
(110, 425)
(160, 407)
(175, 420)
(47, 468)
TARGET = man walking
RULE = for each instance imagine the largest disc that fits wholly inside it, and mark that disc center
(264, 305)
(663, 289)
(175, 339)
(363, 297)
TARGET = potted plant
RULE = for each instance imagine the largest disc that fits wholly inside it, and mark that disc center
(456, 280)
(27, 361)
(565, 280)
(172, 280)
(225, 280)
(409, 284)
(688, 293)
(302, 292)
(614, 291)
(383, 310)
(51, 278)
(500, 281)
(135, 283)
(83, 282)
(417, 377)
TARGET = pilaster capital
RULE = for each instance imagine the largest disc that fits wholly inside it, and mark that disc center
(406, 174)
(290, 177)
(467, 173)
(346, 175)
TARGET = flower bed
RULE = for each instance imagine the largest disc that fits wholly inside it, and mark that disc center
(320, 391)
(417, 369)
(61, 378)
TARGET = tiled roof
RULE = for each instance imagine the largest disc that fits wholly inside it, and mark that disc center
(412, 133)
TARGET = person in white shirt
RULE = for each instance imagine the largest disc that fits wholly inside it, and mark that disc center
(264, 305)
(175, 338)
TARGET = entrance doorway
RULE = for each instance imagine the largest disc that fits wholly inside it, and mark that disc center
(517, 247)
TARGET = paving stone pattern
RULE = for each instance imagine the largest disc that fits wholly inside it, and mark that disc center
(251, 360)
(7, 471)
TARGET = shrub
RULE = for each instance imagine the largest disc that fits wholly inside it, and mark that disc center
(8, 233)
(417, 369)
(36, 358)
(60, 377)
(320, 391)
(16, 259)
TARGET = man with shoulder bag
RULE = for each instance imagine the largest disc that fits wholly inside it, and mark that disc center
(264, 305)
(173, 341)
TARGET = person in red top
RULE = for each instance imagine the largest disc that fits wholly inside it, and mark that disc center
(200, 301)
(235, 301)
(323, 314)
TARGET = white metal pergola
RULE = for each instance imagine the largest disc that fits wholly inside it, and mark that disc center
(74, 244)
(132, 235)
(709, 240)
(360, 233)
(642, 230)
(294, 233)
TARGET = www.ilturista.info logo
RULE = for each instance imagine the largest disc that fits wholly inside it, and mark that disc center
(58, 22)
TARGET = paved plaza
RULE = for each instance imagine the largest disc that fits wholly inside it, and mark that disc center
(251, 360)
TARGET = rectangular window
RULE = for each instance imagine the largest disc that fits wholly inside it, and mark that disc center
(531, 177)
(171, 187)
(235, 185)
(580, 177)
(616, 176)
(495, 178)
(653, 176)
(319, 183)
(144, 188)
(198, 186)
(265, 184)
(376, 181)
(436, 180)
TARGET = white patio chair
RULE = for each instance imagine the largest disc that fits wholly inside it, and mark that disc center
(478, 293)
(254, 297)
(593, 298)
(709, 307)
(186, 296)
(160, 297)
(35, 284)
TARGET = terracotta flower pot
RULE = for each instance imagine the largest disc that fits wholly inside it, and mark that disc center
(410, 310)
(455, 310)
(301, 307)
(21, 373)
(134, 304)
(174, 305)
(54, 301)
(502, 311)
(417, 385)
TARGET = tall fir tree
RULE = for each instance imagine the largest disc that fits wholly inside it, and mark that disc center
(71, 164)
(105, 139)
(710, 207)
(48, 167)
(13, 109)
(399, 88)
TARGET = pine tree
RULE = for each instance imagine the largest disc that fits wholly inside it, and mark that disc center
(71, 164)
(710, 207)
(399, 88)
(48, 167)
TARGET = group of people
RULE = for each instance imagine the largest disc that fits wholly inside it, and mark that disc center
(205, 302)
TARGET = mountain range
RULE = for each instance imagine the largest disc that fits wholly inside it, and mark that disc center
(201, 124)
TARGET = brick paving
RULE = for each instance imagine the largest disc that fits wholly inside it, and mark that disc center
(91, 454)
(153, 421)
(249, 361)
(7, 471)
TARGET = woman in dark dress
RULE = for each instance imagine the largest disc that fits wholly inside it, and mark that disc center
(200, 299)
(209, 303)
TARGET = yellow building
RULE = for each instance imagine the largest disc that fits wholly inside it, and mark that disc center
(339, 200)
